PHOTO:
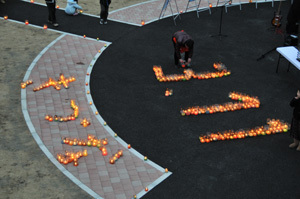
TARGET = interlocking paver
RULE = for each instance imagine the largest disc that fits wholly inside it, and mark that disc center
(109, 181)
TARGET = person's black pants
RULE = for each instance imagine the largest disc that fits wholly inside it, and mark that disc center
(51, 11)
(293, 17)
(104, 12)
(176, 58)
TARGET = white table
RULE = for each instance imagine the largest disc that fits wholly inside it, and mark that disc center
(289, 53)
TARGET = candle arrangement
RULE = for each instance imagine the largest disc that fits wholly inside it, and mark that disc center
(56, 84)
(245, 102)
(168, 92)
(75, 108)
(90, 141)
(85, 122)
(116, 157)
(69, 157)
(24, 84)
(73, 116)
(189, 73)
(273, 126)
(5, 17)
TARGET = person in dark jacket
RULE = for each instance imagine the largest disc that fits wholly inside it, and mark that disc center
(51, 10)
(295, 125)
(183, 43)
(293, 17)
(104, 4)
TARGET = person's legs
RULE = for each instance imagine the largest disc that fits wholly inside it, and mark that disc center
(102, 13)
(51, 10)
(295, 133)
(105, 13)
(295, 144)
(176, 58)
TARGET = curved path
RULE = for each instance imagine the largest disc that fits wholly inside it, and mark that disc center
(75, 56)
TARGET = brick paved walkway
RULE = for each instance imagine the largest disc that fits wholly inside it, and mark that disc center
(74, 56)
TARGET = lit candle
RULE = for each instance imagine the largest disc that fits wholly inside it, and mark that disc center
(85, 153)
(111, 160)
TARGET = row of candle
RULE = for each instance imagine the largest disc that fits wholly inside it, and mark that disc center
(274, 126)
(246, 103)
(56, 118)
(82, 142)
(69, 157)
(24, 84)
(168, 92)
(73, 116)
(189, 73)
(116, 156)
(75, 108)
(56, 84)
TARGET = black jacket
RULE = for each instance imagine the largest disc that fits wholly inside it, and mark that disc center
(296, 104)
(181, 37)
(105, 2)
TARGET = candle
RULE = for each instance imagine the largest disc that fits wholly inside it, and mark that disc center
(111, 160)
(85, 153)
(23, 85)
(104, 151)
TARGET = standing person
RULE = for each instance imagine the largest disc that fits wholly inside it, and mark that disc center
(51, 4)
(295, 125)
(183, 43)
(104, 4)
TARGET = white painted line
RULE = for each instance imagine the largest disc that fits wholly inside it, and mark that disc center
(58, 31)
(125, 22)
(38, 139)
(153, 184)
(133, 6)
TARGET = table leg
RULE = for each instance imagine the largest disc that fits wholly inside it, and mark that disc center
(278, 63)
(289, 67)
